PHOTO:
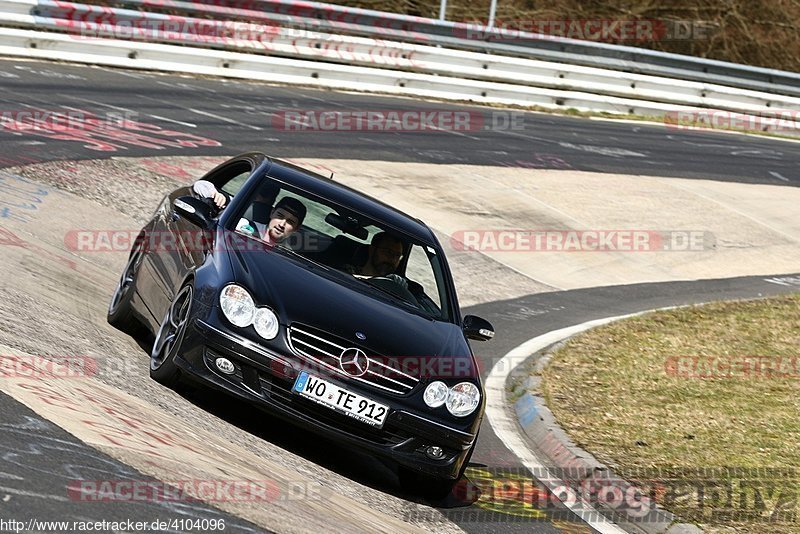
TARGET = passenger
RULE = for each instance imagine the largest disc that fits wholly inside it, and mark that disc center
(284, 219)
(206, 189)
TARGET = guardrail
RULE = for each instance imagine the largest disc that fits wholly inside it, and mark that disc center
(378, 24)
(43, 45)
(337, 61)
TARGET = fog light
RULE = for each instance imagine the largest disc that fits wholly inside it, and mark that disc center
(434, 453)
(225, 365)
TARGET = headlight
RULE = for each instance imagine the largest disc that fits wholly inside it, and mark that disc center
(435, 394)
(266, 323)
(237, 305)
(463, 398)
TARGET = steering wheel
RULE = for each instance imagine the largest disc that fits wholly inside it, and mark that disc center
(393, 287)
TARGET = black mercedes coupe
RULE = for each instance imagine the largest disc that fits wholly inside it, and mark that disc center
(377, 362)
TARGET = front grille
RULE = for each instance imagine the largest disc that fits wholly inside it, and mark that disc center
(323, 350)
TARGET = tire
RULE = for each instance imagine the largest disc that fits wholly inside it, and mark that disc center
(120, 312)
(169, 338)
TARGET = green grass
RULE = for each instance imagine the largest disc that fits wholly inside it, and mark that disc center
(618, 393)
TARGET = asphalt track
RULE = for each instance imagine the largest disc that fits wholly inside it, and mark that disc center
(40, 459)
(239, 117)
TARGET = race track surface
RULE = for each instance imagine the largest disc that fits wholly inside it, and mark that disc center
(242, 117)
(212, 118)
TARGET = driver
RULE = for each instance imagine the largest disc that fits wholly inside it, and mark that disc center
(384, 255)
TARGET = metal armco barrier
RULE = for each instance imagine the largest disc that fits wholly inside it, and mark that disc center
(341, 19)
(317, 58)
(34, 44)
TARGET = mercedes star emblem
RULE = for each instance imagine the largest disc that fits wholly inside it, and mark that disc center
(353, 362)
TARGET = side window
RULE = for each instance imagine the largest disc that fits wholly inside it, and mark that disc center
(235, 183)
(420, 270)
(230, 178)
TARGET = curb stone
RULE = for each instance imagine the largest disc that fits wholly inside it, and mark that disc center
(578, 468)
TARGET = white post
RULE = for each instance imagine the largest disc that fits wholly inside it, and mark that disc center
(442, 9)
(492, 10)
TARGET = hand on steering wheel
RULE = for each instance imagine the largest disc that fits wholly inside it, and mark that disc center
(397, 279)
(395, 284)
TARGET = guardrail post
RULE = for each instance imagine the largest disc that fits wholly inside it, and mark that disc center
(492, 10)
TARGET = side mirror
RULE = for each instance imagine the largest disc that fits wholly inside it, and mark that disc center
(478, 328)
(194, 210)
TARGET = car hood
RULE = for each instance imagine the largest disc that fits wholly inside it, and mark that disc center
(308, 294)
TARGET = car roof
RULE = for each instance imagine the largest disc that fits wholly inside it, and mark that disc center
(327, 188)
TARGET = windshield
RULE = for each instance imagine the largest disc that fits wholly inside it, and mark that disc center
(376, 258)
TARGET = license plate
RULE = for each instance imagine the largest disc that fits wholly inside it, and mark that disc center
(343, 401)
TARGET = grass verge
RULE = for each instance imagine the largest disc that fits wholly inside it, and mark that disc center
(700, 403)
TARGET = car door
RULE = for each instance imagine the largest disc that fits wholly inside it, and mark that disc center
(183, 245)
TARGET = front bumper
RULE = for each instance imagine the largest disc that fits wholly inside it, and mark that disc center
(265, 379)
